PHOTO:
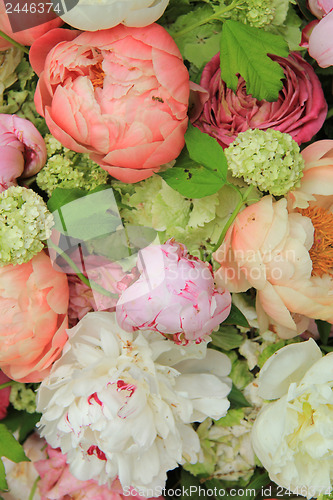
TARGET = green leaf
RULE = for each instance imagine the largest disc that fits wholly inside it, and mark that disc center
(188, 483)
(9, 447)
(237, 399)
(324, 330)
(29, 420)
(3, 482)
(191, 179)
(205, 150)
(84, 214)
(244, 50)
(226, 338)
(236, 317)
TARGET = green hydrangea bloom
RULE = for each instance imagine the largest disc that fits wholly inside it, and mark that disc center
(67, 169)
(22, 397)
(257, 13)
(226, 446)
(24, 223)
(268, 159)
(197, 223)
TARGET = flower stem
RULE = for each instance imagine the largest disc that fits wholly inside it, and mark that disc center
(16, 44)
(33, 489)
(233, 217)
(90, 283)
(215, 16)
(7, 384)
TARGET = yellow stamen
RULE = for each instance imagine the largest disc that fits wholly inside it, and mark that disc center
(321, 252)
(97, 75)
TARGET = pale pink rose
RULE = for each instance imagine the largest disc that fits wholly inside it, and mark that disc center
(4, 395)
(320, 41)
(175, 296)
(22, 150)
(119, 94)
(25, 36)
(283, 256)
(57, 482)
(33, 307)
(320, 8)
(317, 180)
(299, 111)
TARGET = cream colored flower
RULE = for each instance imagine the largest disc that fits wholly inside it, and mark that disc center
(293, 436)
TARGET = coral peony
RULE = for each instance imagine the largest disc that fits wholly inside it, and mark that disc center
(22, 150)
(284, 256)
(94, 15)
(119, 94)
(122, 404)
(299, 111)
(317, 178)
(33, 307)
(29, 35)
(175, 295)
(4, 395)
(292, 436)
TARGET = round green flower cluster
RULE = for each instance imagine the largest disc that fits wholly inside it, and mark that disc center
(257, 13)
(24, 223)
(268, 159)
(67, 169)
(22, 397)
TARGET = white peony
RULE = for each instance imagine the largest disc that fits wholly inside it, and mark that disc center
(122, 404)
(293, 436)
(94, 15)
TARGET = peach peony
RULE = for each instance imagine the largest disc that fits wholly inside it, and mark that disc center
(119, 94)
(29, 35)
(33, 307)
(283, 255)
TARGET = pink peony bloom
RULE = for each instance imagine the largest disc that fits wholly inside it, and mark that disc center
(33, 307)
(119, 94)
(27, 36)
(287, 257)
(57, 482)
(22, 150)
(299, 111)
(175, 296)
(320, 41)
(4, 395)
(107, 274)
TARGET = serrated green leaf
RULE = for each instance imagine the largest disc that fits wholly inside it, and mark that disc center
(191, 179)
(236, 317)
(324, 330)
(3, 482)
(237, 398)
(227, 338)
(187, 481)
(11, 448)
(244, 50)
(205, 150)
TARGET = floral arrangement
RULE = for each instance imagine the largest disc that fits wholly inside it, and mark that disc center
(166, 250)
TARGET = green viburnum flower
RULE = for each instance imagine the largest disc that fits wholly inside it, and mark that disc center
(22, 397)
(268, 159)
(261, 13)
(197, 223)
(24, 223)
(67, 169)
